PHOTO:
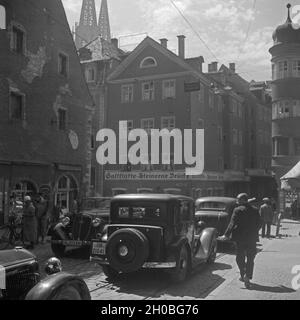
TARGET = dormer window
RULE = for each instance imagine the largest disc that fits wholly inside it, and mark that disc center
(148, 62)
(2, 18)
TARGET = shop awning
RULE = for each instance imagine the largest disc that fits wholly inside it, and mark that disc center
(291, 180)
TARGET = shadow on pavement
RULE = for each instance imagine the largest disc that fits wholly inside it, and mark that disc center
(277, 289)
(153, 284)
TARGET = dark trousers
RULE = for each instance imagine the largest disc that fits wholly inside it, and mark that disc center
(245, 255)
(263, 229)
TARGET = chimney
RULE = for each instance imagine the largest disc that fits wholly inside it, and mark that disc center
(164, 42)
(213, 67)
(115, 42)
(181, 46)
(232, 67)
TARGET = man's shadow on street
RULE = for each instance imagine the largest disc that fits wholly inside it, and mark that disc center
(277, 289)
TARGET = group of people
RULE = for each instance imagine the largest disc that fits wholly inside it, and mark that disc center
(246, 221)
(34, 218)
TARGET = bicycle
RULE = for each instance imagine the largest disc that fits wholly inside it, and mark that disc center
(11, 233)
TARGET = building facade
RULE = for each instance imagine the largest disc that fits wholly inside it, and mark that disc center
(286, 98)
(154, 89)
(46, 108)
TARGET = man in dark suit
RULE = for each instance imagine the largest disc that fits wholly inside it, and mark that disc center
(244, 227)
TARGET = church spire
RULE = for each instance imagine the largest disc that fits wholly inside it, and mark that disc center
(87, 29)
(103, 24)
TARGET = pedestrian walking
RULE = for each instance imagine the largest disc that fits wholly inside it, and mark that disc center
(42, 218)
(243, 228)
(266, 214)
(29, 223)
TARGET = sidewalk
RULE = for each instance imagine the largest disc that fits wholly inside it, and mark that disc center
(272, 275)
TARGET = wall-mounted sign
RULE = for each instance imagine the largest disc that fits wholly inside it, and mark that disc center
(192, 86)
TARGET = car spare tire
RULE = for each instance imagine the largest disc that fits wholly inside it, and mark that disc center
(127, 250)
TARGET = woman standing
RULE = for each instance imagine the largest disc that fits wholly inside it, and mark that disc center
(29, 223)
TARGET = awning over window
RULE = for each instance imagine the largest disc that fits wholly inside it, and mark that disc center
(291, 180)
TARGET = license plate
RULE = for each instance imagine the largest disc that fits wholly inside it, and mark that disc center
(99, 248)
(72, 243)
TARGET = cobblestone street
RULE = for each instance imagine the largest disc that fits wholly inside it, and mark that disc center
(272, 279)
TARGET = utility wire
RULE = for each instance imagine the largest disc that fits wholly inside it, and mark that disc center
(195, 31)
(247, 33)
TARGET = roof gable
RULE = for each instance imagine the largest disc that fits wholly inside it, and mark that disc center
(167, 62)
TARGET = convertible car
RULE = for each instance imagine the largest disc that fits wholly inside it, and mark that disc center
(20, 279)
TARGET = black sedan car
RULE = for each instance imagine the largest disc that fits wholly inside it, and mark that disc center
(20, 279)
(215, 212)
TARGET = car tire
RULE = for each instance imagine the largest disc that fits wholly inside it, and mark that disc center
(134, 242)
(213, 253)
(68, 292)
(183, 266)
(58, 250)
(110, 272)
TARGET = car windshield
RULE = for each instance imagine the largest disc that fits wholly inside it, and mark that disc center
(143, 212)
(211, 205)
(99, 203)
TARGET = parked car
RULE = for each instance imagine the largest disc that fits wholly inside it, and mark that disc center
(77, 230)
(153, 231)
(215, 212)
(20, 269)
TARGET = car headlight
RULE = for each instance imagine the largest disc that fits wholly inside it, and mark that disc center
(96, 222)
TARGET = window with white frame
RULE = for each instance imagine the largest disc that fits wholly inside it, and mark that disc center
(220, 134)
(240, 138)
(2, 17)
(168, 123)
(127, 93)
(90, 75)
(296, 108)
(148, 62)
(16, 106)
(169, 89)
(18, 39)
(283, 69)
(148, 91)
(296, 68)
(234, 136)
(147, 124)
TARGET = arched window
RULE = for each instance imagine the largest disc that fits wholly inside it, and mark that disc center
(148, 62)
(2, 17)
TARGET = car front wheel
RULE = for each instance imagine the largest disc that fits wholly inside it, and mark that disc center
(182, 266)
(68, 293)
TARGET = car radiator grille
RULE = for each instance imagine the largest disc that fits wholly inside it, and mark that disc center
(19, 284)
(82, 228)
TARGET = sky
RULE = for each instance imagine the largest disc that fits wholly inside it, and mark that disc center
(226, 31)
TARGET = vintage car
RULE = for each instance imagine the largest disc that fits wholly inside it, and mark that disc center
(153, 231)
(215, 212)
(20, 279)
(77, 230)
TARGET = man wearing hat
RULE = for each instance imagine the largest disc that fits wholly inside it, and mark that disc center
(243, 228)
(266, 214)
(29, 223)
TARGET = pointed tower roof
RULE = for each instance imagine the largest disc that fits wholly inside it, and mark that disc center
(87, 30)
(103, 24)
